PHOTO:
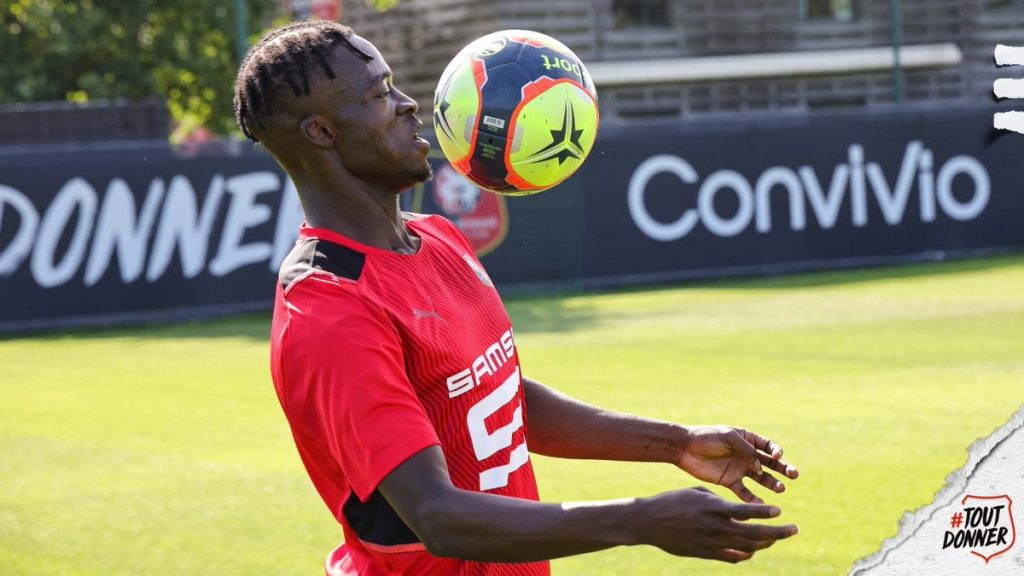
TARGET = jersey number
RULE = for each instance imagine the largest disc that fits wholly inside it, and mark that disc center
(487, 444)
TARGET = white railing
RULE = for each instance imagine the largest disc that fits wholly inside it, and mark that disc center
(774, 65)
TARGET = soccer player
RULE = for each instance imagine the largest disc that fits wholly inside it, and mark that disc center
(395, 363)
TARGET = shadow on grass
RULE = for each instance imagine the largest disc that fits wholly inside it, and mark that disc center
(540, 313)
(547, 311)
(549, 314)
(252, 326)
(868, 274)
(535, 313)
(823, 277)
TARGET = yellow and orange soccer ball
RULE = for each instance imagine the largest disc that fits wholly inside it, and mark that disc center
(516, 112)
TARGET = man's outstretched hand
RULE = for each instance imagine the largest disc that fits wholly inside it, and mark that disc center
(697, 523)
(724, 455)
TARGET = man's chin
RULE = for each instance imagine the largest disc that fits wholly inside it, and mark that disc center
(420, 177)
(425, 173)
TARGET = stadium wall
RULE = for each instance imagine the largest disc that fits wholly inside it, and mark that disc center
(139, 232)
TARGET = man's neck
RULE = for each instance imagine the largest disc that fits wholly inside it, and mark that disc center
(372, 219)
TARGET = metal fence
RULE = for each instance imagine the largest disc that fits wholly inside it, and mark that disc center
(64, 122)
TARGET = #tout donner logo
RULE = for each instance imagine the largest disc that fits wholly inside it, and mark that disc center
(984, 527)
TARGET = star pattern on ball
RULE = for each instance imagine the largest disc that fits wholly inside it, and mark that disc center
(565, 142)
(441, 105)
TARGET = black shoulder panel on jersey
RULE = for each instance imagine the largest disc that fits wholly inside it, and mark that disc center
(376, 522)
(327, 256)
(338, 260)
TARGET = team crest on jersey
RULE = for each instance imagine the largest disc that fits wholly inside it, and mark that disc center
(480, 215)
(478, 270)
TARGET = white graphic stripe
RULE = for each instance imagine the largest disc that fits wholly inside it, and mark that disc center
(1012, 121)
(1009, 55)
(1008, 88)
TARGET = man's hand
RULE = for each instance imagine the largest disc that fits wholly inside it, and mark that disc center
(724, 455)
(697, 523)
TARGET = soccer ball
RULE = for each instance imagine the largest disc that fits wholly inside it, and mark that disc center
(515, 112)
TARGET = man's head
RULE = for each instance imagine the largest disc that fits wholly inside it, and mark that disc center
(318, 96)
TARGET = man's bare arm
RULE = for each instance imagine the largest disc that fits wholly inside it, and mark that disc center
(564, 427)
(490, 528)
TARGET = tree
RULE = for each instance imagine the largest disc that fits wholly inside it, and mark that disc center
(180, 50)
(382, 5)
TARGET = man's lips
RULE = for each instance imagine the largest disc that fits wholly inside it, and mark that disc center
(420, 142)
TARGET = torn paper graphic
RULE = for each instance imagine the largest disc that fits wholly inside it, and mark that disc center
(973, 525)
(1009, 88)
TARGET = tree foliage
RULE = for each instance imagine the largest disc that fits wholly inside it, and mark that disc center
(180, 50)
(382, 5)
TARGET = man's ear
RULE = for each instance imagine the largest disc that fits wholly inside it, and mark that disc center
(317, 130)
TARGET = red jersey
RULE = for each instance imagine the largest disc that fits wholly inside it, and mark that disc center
(376, 356)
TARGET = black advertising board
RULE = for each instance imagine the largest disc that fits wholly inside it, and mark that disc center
(801, 193)
(118, 233)
(137, 232)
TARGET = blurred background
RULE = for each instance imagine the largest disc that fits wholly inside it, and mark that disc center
(95, 70)
(797, 218)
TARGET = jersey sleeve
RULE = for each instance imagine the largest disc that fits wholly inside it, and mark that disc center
(343, 365)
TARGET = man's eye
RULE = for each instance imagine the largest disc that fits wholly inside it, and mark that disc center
(384, 94)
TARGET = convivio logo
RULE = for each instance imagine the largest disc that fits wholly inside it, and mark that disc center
(851, 183)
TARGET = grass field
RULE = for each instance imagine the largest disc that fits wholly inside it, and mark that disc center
(163, 450)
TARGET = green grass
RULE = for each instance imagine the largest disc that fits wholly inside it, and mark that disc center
(163, 450)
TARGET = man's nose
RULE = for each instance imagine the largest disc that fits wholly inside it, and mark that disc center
(406, 105)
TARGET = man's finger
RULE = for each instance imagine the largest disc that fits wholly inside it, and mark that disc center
(780, 466)
(740, 511)
(763, 531)
(761, 443)
(729, 555)
(744, 493)
(745, 545)
(768, 481)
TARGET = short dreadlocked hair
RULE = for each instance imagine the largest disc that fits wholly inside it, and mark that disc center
(285, 58)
